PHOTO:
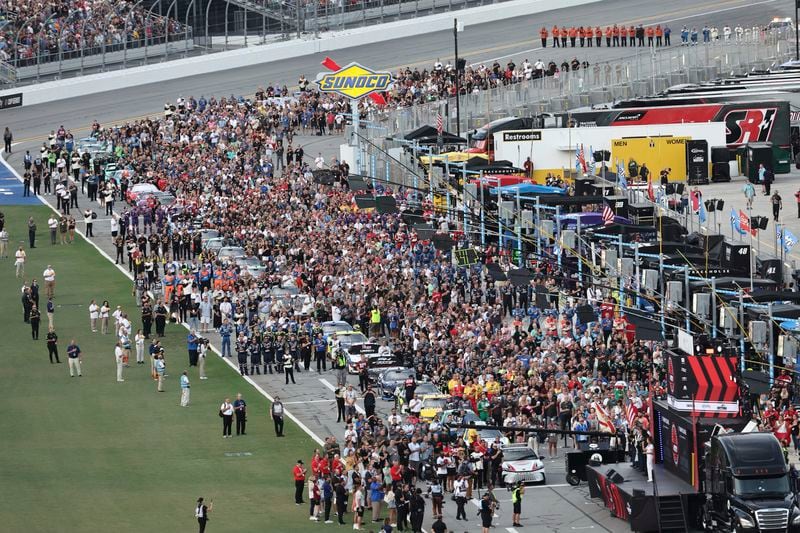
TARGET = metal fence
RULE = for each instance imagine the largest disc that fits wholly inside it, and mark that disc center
(641, 72)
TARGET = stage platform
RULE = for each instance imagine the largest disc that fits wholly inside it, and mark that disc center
(634, 499)
(668, 483)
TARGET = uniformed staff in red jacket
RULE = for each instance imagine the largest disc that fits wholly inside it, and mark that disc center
(616, 33)
(543, 35)
(573, 36)
(564, 35)
(589, 36)
(556, 34)
(598, 35)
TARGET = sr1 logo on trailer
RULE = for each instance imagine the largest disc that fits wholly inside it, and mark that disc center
(744, 126)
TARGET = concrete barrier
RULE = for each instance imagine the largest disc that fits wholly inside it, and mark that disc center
(180, 68)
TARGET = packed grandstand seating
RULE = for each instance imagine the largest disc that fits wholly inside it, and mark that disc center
(31, 31)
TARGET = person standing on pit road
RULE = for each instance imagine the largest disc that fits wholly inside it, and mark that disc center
(516, 501)
(319, 351)
(340, 412)
(225, 331)
(299, 475)
(417, 511)
(486, 512)
(241, 353)
(369, 397)
(201, 513)
(460, 494)
(240, 410)
(277, 411)
(288, 367)
(74, 359)
(777, 205)
(52, 345)
(543, 35)
(226, 413)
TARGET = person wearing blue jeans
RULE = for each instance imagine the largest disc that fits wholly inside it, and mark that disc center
(225, 331)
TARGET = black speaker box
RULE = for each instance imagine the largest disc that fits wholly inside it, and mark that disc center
(720, 172)
(616, 477)
(720, 154)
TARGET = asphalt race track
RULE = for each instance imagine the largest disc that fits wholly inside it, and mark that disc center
(518, 39)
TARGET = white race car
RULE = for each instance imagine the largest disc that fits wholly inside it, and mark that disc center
(521, 464)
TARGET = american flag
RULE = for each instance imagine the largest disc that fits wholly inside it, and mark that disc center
(608, 215)
(630, 413)
(439, 124)
(580, 159)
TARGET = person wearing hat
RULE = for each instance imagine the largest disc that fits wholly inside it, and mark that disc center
(201, 513)
(299, 474)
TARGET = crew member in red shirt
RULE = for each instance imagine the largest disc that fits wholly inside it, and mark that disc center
(556, 33)
(299, 474)
(543, 35)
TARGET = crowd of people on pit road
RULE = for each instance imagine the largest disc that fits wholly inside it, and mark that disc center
(515, 355)
(506, 352)
(35, 31)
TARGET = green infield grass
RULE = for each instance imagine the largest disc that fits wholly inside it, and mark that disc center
(90, 454)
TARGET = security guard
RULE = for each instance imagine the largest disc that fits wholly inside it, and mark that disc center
(293, 349)
(241, 353)
(341, 367)
(255, 356)
(516, 501)
(268, 352)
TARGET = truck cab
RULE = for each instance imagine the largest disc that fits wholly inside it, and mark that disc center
(747, 485)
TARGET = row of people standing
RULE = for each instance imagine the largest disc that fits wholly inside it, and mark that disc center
(614, 35)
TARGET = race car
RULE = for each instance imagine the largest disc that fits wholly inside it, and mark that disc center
(432, 405)
(521, 464)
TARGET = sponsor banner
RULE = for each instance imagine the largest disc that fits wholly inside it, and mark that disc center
(11, 100)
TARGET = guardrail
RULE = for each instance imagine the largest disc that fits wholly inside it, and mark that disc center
(642, 72)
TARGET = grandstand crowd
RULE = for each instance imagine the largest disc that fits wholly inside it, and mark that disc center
(516, 355)
(32, 31)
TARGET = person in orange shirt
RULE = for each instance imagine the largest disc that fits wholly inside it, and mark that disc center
(563, 34)
(589, 36)
(659, 35)
(609, 34)
(598, 35)
(555, 33)
(582, 36)
(632, 36)
(573, 36)
(650, 32)
(543, 35)
(615, 33)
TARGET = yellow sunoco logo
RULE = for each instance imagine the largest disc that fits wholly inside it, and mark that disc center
(354, 81)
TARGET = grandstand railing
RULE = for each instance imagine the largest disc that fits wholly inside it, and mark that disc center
(161, 37)
(642, 72)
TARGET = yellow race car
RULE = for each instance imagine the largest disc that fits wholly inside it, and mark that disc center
(432, 405)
